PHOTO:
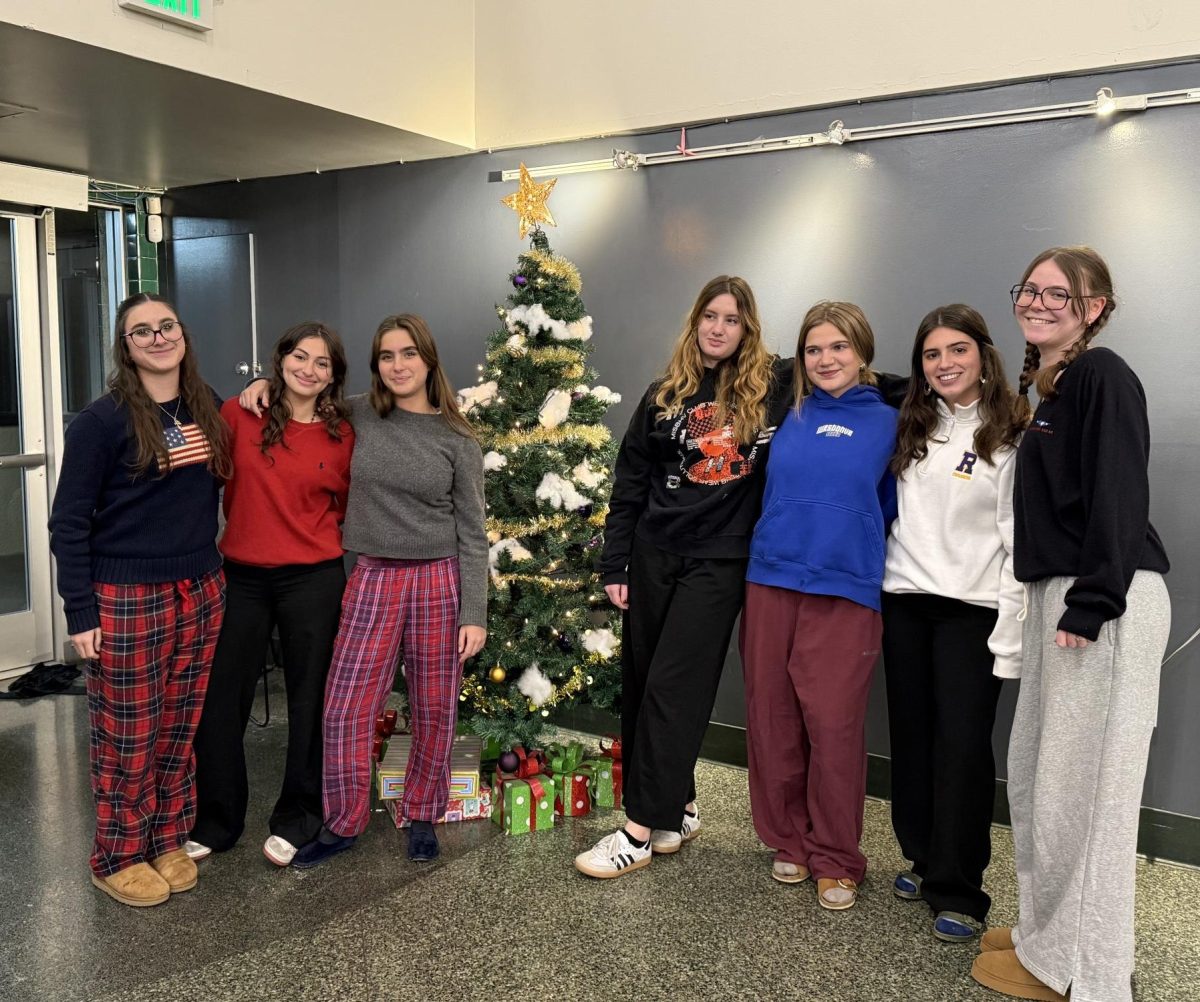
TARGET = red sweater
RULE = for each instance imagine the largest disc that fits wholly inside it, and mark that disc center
(289, 511)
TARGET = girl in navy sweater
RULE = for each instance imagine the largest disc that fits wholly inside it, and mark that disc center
(133, 531)
(811, 628)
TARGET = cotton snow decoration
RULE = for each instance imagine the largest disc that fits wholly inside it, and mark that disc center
(494, 461)
(602, 642)
(561, 493)
(478, 396)
(587, 476)
(534, 685)
(580, 330)
(534, 318)
(605, 395)
(554, 409)
(510, 546)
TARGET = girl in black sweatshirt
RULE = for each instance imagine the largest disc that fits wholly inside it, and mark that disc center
(687, 493)
(1096, 628)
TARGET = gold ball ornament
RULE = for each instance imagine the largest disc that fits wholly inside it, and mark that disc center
(498, 674)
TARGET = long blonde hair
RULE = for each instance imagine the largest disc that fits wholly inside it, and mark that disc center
(743, 379)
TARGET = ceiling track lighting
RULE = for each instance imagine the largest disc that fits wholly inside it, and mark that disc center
(1104, 105)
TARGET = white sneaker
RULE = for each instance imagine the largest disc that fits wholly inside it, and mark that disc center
(666, 842)
(195, 851)
(611, 856)
(279, 850)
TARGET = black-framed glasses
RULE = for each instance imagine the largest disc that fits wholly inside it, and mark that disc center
(1053, 297)
(143, 336)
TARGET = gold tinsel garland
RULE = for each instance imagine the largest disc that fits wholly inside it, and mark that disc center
(556, 267)
(519, 528)
(546, 582)
(594, 435)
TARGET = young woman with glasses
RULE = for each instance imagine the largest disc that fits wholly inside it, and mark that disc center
(811, 627)
(1094, 637)
(133, 531)
(951, 608)
(284, 507)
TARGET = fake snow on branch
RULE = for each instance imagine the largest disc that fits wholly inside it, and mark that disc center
(493, 461)
(602, 642)
(534, 686)
(533, 318)
(510, 546)
(561, 493)
(477, 396)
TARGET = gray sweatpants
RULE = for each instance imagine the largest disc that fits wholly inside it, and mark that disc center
(1076, 764)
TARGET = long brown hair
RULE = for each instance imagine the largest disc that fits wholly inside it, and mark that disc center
(437, 386)
(852, 322)
(145, 417)
(1088, 277)
(1004, 414)
(743, 379)
(331, 404)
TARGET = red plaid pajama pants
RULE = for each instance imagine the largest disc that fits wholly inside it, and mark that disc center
(145, 694)
(392, 606)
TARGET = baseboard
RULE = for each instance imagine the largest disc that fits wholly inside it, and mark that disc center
(1161, 834)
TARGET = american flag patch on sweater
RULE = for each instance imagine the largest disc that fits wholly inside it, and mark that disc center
(186, 446)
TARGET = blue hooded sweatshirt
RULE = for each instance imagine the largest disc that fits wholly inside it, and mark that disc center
(829, 499)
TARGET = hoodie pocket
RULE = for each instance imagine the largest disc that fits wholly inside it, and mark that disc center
(820, 534)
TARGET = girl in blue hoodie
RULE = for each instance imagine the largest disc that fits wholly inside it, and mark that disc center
(811, 628)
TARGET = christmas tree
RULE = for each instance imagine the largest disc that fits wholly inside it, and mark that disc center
(552, 634)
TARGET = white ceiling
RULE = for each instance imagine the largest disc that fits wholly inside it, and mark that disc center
(118, 118)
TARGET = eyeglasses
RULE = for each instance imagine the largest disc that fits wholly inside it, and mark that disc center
(1053, 298)
(143, 336)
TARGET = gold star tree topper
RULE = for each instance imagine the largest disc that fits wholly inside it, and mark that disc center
(529, 202)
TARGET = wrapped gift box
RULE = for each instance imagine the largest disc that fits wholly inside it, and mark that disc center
(522, 805)
(572, 794)
(464, 767)
(457, 809)
(605, 775)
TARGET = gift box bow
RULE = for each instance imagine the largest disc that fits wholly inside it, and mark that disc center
(564, 758)
(530, 763)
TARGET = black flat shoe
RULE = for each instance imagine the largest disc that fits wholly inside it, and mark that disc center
(422, 846)
(316, 852)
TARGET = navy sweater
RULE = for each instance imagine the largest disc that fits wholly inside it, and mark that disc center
(1082, 501)
(829, 498)
(108, 526)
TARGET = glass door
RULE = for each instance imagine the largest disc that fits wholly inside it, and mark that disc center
(26, 607)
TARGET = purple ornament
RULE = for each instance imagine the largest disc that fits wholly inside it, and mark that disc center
(520, 281)
(508, 762)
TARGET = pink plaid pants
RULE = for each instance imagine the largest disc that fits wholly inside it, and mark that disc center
(392, 606)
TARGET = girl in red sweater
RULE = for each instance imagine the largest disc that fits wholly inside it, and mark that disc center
(284, 507)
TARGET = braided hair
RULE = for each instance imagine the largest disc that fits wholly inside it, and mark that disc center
(1084, 270)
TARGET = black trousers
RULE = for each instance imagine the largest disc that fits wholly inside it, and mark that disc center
(941, 707)
(304, 601)
(676, 631)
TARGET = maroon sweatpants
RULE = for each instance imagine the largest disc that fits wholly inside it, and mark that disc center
(808, 661)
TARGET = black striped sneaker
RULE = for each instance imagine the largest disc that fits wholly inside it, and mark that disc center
(613, 855)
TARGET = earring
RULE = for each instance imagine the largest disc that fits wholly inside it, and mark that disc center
(982, 380)
(862, 366)
(928, 389)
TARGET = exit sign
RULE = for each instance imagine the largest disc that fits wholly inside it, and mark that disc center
(192, 13)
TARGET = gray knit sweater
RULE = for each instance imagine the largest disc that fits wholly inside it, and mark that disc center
(416, 493)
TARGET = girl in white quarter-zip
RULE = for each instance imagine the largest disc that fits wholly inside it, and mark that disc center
(950, 608)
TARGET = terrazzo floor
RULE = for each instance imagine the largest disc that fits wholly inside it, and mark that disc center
(495, 918)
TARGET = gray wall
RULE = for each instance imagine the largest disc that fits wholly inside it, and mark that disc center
(898, 226)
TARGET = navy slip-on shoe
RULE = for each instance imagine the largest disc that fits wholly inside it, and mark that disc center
(316, 852)
(955, 927)
(422, 846)
(907, 886)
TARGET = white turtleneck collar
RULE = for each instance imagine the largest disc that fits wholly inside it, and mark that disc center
(963, 414)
